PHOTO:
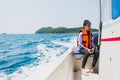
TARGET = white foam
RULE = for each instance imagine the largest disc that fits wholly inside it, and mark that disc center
(41, 47)
(43, 70)
(66, 44)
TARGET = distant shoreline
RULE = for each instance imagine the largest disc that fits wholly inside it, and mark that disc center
(51, 30)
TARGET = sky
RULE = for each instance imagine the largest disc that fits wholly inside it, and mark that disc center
(27, 16)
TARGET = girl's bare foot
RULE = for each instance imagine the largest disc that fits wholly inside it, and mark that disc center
(84, 73)
(92, 70)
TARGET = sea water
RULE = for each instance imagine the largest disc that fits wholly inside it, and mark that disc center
(22, 53)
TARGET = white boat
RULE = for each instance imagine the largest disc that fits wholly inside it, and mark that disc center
(109, 40)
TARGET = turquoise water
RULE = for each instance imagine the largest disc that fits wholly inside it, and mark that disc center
(29, 50)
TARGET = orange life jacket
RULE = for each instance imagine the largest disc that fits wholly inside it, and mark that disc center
(87, 39)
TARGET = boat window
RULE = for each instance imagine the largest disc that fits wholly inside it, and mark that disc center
(115, 9)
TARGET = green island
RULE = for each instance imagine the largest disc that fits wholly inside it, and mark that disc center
(60, 30)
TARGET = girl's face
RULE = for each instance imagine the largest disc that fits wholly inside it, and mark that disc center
(88, 27)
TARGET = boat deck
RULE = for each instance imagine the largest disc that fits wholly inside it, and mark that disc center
(79, 76)
(77, 66)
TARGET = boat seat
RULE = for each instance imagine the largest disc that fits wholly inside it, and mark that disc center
(77, 59)
(77, 52)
